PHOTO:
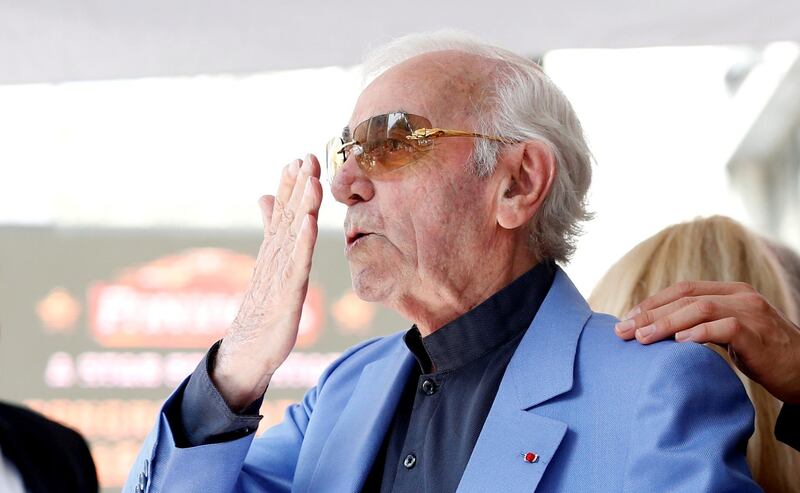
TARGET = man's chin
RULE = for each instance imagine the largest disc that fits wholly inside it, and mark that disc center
(368, 284)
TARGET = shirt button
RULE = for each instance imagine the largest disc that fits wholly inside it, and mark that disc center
(410, 461)
(429, 387)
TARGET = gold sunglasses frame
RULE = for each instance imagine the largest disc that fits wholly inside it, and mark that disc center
(421, 136)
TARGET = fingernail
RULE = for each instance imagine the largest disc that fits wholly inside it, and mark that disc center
(632, 313)
(683, 336)
(624, 326)
(646, 330)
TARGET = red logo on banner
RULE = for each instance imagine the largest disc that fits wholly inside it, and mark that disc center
(186, 300)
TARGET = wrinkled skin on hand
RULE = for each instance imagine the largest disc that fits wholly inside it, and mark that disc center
(265, 328)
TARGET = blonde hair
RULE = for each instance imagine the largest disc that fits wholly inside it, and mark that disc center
(712, 249)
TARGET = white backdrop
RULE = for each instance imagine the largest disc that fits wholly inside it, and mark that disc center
(55, 40)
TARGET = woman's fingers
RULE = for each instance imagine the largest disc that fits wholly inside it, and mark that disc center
(724, 331)
(763, 340)
(686, 289)
(679, 316)
(626, 329)
(657, 325)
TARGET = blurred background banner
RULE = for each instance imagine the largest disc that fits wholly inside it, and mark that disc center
(135, 139)
(99, 325)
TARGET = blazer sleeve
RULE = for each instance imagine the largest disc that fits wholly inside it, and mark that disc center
(691, 425)
(162, 466)
(232, 465)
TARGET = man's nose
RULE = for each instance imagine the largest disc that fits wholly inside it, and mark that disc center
(351, 184)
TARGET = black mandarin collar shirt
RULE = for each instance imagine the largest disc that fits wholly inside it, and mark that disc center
(449, 394)
(485, 328)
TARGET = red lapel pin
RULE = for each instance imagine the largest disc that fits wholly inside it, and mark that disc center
(530, 457)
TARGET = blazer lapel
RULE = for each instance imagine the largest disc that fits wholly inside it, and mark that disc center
(542, 368)
(358, 433)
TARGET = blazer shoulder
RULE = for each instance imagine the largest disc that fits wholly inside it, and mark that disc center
(600, 344)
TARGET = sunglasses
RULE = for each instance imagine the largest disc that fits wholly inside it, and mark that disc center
(389, 142)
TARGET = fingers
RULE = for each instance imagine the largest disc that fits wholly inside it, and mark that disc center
(725, 331)
(310, 203)
(285, 188)
(308, 198)
(716, 319)
(290, 191)
(686, 289)
(310, 168)
(304, 249)
(290, 227)
(266, 203)
(288, 180)
(626, 329)
(702, 310)
(286, 213)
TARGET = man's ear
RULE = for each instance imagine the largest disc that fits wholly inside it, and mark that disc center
(528, 174)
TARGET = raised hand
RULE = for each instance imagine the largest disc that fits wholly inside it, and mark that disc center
(265, 329)
(762, 341)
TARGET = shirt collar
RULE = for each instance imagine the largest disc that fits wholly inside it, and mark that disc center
(494, 322)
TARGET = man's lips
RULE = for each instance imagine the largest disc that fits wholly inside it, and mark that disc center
(353, 237)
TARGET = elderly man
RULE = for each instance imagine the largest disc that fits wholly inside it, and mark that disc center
(464, 171)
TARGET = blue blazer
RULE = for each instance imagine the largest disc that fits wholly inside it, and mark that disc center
(600, 413)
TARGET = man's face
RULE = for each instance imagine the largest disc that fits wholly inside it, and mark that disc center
(428, 222)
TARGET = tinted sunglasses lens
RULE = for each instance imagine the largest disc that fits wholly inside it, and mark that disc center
(385, 142)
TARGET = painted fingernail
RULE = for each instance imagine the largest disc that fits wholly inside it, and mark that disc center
(624, 326)
(632, 313)
(646, 330)
(683, 336)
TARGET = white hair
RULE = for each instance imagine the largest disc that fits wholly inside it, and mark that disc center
(524, 105)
